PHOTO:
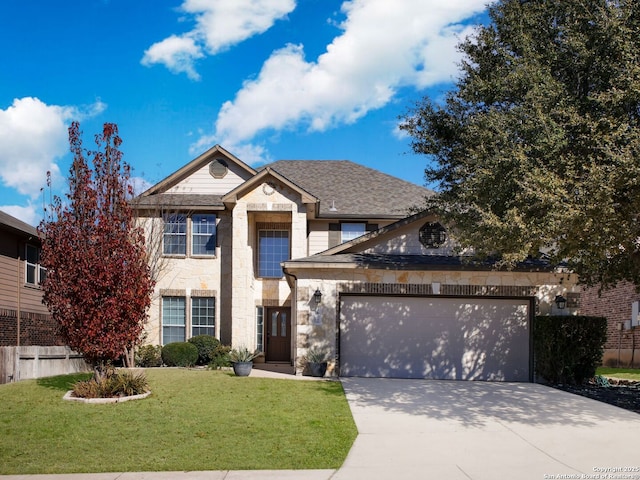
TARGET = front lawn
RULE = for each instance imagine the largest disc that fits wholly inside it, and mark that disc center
(624, 373)
(194, 420)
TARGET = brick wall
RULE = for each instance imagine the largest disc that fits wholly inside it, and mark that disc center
(8, 332)
(615, 305)
(35, 329)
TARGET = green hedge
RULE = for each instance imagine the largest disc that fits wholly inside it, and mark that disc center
(568, 349)
(207, 346)
(179, 354)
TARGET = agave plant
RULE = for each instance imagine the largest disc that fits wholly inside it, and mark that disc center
(242, 354)
(316, 355)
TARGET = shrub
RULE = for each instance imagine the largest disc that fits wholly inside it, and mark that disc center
(114, 384)
(206, 345)
(220, 357)
(568, 349)
(179, 354)
(149, 356)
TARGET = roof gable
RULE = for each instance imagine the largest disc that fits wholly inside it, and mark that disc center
(262, 177)
(216, 152)
(400, 237)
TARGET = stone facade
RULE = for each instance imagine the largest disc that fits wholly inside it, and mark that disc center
(319, 325)
(247, 202)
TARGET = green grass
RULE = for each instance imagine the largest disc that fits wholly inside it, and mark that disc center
(625, 373)
(194, 420)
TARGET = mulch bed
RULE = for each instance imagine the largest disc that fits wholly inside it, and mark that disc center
(621, 393)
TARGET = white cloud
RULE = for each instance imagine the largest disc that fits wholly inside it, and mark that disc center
(250, 153)
(384, 46)
(33, 135)
(220, 24)
(176, 53)
(139, 185)
(29, 214)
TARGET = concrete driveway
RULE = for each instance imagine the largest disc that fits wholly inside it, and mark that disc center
(414, 429)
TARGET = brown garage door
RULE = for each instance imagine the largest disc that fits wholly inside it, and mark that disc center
(437, 338)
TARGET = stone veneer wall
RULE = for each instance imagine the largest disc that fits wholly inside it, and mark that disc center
(282, 210)
(319, 325)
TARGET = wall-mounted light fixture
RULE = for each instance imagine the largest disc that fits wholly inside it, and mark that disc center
(317, 296)
(561, 302)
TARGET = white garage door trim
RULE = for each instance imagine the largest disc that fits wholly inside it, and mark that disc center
(457, 338)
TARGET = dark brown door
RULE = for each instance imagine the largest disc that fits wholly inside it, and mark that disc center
(278, 334)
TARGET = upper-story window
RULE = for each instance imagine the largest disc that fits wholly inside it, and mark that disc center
(198, 232)
(175, 235)
(34, 273)
(203, 235)
(273, 249)
(349, 231)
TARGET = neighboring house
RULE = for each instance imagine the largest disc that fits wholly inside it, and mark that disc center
(302, 253)
(24, 320)
(623, 331)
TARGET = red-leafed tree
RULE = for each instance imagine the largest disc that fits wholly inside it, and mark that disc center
(98, 285)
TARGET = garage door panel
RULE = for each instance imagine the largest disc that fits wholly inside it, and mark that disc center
(410, 337)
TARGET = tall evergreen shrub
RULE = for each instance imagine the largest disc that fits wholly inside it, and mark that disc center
(568, 349)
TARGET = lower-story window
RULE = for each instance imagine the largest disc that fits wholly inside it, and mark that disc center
(203, 316)
(173, 319)
(259, 328)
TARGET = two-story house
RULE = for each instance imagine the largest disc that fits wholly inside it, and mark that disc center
(318, 252)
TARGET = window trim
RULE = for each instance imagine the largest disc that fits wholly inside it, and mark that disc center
(39, 271)
(260, 328)
(167, 221)
(342, 231)
(163, 323)
(259, 252)
(194, 235)
(193, 325)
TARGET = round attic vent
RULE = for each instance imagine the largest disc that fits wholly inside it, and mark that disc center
(432, 235)
(218, 168)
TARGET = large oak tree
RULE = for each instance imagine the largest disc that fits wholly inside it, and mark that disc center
(537, 148)
(98, 284)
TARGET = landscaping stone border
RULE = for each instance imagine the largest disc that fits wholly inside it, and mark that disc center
(69, 396)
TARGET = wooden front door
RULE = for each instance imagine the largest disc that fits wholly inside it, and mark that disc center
(278, 347)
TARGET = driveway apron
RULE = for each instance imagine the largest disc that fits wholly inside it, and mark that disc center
(485, 430)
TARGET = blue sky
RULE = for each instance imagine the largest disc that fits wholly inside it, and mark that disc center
(266, 79)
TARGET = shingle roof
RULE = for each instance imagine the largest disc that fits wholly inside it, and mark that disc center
(18, 226)
(354, 190)
(174, 200)
(412, 262)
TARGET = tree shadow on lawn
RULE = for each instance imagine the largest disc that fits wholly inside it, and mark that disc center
(63, 383)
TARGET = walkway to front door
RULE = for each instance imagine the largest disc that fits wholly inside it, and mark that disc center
(278, 347)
